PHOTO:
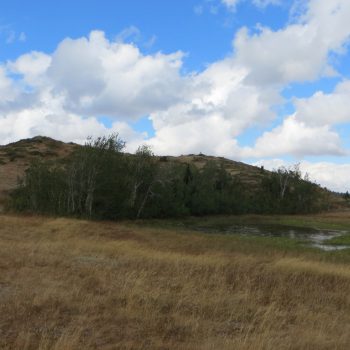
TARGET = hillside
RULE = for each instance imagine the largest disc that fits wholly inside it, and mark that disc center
(246, 173)
(16, 157)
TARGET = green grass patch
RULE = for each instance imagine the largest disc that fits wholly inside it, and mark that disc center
(209, 229)
(341, 240)
(302, 221)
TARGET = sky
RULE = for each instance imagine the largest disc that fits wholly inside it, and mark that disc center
(266, 82)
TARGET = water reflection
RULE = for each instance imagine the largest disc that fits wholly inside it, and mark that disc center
(315, 237)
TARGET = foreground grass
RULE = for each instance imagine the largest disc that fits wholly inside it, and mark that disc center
(69, 284)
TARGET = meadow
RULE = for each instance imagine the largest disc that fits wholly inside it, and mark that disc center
(69, 284)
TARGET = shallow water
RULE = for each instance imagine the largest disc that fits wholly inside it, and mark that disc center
(313, 237)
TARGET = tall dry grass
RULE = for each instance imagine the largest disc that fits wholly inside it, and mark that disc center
(68, 284)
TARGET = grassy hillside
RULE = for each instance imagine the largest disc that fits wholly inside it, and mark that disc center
(69, 284)
(16, 157)
(246, 173)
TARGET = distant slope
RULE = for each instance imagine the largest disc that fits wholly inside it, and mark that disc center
(16, 157)
(248, 174)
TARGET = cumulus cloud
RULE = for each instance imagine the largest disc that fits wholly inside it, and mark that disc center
(94, 76)
(32, 67)
(53, 122)
(211, 135)
(298, 52)
(330, 175)
(296, 138)
(89, 77)
(63, 94)
(100, 77)
(325, 109)
(6, 87)
(217, 108)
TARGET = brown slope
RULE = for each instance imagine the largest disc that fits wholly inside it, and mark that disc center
(16, 157)
(248, 174)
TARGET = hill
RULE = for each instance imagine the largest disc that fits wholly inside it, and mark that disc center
(246, 173)
(16, 157)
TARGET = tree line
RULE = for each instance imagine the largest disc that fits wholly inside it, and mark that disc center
(100, 181)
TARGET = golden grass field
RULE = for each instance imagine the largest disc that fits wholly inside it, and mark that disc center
(67, 284)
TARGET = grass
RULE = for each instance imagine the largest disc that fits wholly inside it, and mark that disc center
(72, 284)
(332, 220)
(340, 240)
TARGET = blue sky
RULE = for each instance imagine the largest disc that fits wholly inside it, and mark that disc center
(187, 25)
(263, 81)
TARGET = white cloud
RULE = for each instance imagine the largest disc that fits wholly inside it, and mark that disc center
(121, 82)
(197, 112)
(217, 99)
(298, 52)
(52, 121)
(210, 135)
(131, 32)
(32, 67)
(298, 139)
(330, 175)
(93, 76)
(22, 37)
(325, 109)
(7, 89)
(231, 4)
(240, 93)
(150, 42)
(10, 35)
(265, 3)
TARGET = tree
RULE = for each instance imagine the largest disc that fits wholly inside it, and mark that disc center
(287, 175)
(168, 192)
(142, 175)
(101, 181)
(285, 190)
(91, 170)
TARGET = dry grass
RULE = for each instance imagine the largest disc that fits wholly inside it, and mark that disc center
(67, 284)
